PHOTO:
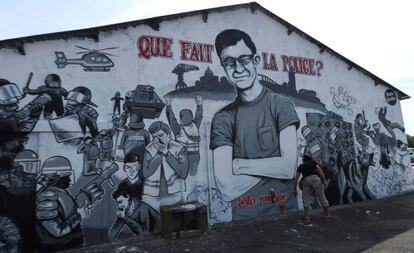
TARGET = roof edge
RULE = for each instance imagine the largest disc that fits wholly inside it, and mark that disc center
(153, 22)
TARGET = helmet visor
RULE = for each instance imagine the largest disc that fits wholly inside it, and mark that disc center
(9, 94)
(31, 167)
(76, 96)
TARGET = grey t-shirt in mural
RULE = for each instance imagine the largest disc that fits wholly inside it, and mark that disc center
(252, 129)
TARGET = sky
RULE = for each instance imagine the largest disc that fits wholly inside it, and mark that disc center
(375, 34)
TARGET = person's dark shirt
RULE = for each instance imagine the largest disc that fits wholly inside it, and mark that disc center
(308, 169)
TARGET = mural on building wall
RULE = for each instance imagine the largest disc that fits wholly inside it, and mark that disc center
(53, 88)
(211, 128)
(390, 97)
(179, 70)
(117, 102)
(91, 60)
(131, 211)
(165, 163)
(342, 99)
(212, 198)
(247, 156)
(187, 131)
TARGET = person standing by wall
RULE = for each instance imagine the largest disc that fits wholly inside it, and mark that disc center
(314, 181)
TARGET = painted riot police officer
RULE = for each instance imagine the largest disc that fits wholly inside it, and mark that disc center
(79, 102)
(59, 218)
(19, 187)
(9, 236)
(15, 124)
(53, 88)
(90, 151)
(105, 143)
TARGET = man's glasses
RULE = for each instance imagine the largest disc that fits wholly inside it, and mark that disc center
(230, 63)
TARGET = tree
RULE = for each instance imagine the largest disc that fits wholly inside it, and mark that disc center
(410, 140)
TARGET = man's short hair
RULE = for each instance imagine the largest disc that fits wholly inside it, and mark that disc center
(230, 37)
(157, 126)
(122, 190)
(132, 158)
(307, 158)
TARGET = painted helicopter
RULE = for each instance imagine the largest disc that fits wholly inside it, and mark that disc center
(91, 60)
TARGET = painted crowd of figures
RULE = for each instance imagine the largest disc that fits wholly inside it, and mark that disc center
(155, 161)
(253, 139)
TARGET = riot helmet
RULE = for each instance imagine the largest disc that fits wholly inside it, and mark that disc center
(28, 160)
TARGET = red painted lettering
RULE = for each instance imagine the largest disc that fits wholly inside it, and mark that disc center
(285, 60)
(154, 46)
(302, 65)
(184, 49)
(198, 52)
(272, 65)
(166, 47)
(194, 53)
(312, 67)
(144, 46)
(305, 66)
(245, 202)
(208, 49)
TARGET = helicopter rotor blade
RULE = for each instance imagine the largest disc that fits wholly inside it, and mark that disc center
(83, 52)
(109, 54)
(109, 48)
(83, 48)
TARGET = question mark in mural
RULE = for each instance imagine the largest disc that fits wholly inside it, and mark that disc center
(319, 65)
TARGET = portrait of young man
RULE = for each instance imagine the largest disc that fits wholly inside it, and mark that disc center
(253, 139)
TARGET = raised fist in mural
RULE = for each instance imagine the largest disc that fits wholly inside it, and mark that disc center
(198, 100)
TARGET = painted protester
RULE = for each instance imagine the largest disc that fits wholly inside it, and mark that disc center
(249, 134)
(165, 163)
(187, 131)
(131, 211)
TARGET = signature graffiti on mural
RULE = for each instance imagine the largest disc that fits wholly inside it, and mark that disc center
(342, 99)
(91, 60)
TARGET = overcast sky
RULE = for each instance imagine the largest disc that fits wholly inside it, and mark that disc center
(376, 34)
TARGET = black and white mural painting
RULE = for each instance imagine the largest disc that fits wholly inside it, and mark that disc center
(247, 156)
(91, 60)
(92, 149)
